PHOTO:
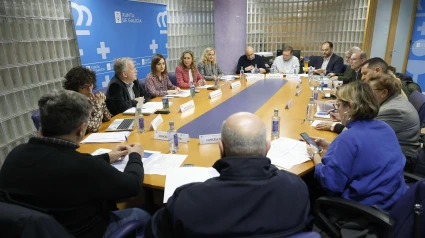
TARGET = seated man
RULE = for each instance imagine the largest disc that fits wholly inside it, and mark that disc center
(76, 189)
(124, 87)
(287, 62)
(249, 60)
(356, 61)
(329, 63)
(251, 197)
(348, 72)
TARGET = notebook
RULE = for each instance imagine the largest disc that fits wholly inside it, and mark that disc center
(121, 125)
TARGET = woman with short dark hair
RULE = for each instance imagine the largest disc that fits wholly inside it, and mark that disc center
(157, 81)
(365, 163)
(83, 80)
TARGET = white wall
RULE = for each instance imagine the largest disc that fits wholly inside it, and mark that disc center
(381, 29)
(402, 34)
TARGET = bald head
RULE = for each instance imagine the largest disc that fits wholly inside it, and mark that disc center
(244, 134)
(249, 52)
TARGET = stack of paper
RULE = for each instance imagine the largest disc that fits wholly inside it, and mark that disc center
(184, 175)
(182, 94)
(285, 152)
(120, 164)
(227, 77)
(106, 137)
(148, 108)
(274, 76)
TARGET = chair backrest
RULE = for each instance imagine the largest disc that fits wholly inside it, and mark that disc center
(297, 53)
(279, 52)
(172, 76)
(404, 77)
(417, 99)
(36, 119)
(18, 221)
(403, 212)
(142, 82)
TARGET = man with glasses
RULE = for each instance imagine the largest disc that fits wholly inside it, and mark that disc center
(124, 88)
(348, 73)
(249, 60)
(287, 62)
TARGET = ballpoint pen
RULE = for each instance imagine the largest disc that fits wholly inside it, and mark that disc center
(333, 110)
(126, 139)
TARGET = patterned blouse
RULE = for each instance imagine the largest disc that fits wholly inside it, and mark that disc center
(157, 87)
(99, 114)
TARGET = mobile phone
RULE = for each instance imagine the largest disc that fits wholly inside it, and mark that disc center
(187, 165)
(162, 111)
(212, 88)
(307, 139)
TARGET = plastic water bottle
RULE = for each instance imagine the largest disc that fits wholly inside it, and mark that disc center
(173, 139)
(296, 69)
(321, 83)
(272, 70)
(311, 110)
(165, 104)
(242, 73)
(139, 120)
(315, 94)
(310, 76)
(275, 124)
(256, 70)
(192, 90)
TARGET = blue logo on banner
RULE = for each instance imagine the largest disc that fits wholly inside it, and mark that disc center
(110, 29)
(416, 61)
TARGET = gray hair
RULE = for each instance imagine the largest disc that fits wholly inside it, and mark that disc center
(237, 144)
(121, 65)
(353, 49)
(62, 112)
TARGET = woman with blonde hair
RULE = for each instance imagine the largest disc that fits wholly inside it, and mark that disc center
(187, 64)
(208, 66)
(365, 163)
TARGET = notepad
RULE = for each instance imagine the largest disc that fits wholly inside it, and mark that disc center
(184, 175)
(227, 77)
(182, 94)
(148, 108)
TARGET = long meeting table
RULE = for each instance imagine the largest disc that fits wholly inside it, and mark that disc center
(205, 155)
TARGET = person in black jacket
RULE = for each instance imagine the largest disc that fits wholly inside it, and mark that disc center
(124, 88)
(329, 63)
(250, 198)
(75, 188)
(248, 61)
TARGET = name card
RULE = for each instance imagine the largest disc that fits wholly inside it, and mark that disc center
(183, 138)
(298, 92)
(155, 123)
(235, 84)
(163, 135)
(215, 93)
(288, 104)
(160, 135)
(209, 139)
(186, 106)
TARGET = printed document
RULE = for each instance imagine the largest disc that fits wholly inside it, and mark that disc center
(182, 94)
(286, 152)
(106, 137)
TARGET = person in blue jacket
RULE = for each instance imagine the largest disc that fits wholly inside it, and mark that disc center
(365, 163)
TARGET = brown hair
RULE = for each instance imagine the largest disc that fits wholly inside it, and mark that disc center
(193, 66)
(155, 61)
(360, 98)
(388, 82)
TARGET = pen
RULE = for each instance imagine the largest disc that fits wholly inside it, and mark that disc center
(333, 110)
(126, 139)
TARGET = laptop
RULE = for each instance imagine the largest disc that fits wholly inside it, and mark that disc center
(121, 125)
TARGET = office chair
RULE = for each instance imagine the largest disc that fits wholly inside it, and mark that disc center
(417, 99)
(172, 77)
(36, 119)
(403, 220)
(307, 234)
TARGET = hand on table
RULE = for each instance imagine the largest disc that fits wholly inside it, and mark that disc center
(249, 68)
(136, 147)
(262, 71)
(324, 126)
(117, 153)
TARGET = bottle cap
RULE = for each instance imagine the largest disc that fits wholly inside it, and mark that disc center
(171, 123)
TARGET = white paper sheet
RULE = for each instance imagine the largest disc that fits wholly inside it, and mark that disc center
(182, 94)
(227, 77)
(120, 164)
(148, 108)
(316, 122)
(205, 86)
(286, 152)
(184, 175)
(106, 137)
(160, 164)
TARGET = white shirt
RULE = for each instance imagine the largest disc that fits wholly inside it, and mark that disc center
(326, 61)
(286, 66)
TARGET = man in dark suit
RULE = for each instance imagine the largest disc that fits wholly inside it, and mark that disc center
(124, 88)
(356, 61)
(250, 198)
(329, 63)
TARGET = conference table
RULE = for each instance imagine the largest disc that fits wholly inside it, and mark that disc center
(275, 93)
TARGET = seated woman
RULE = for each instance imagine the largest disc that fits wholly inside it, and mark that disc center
(188, 62)
(157, 81)
(208, 66)
(396, 111)
(83, 80)
(365, 163)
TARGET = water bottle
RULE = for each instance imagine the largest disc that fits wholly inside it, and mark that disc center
(296, 70)
(256, 70)
(173, 139)
(242, 73)
(275, 124)
(315, 94)
(139, 120)
(165, 104)
(272, 70)
(310, 77)
(321, 83)
(311, 110)
(216, 82)
(192, 90)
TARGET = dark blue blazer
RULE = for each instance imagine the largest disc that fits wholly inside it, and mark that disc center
(251, 197)
(335, 65)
